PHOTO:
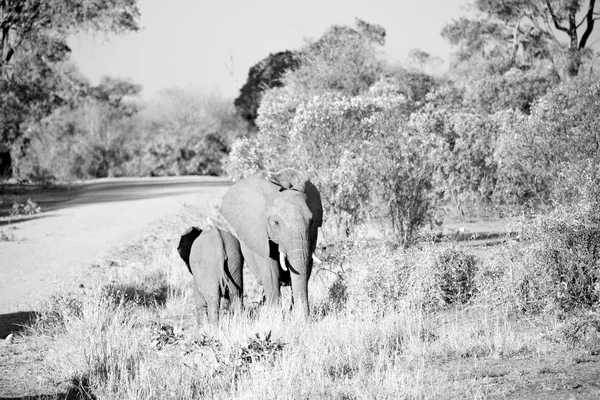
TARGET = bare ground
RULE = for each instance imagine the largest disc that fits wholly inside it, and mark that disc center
(55, 251)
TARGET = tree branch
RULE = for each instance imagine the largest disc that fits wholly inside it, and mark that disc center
(590, 25)
(555, 19)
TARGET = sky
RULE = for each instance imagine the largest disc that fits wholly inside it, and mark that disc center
(210, 45)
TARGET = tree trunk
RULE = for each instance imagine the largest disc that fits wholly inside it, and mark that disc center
(6, 167)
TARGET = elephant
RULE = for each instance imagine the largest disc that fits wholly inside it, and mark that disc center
(215, 260)
(277, 226)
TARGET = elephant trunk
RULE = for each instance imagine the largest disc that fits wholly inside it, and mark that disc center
(301, 264)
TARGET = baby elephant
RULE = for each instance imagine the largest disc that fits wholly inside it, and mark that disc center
(215, 260)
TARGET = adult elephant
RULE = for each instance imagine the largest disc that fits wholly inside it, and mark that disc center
(277, 227)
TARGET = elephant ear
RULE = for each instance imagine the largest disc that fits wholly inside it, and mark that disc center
(243, 206)
(185, 244)
(313, 200)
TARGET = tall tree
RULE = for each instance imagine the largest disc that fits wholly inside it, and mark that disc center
(265, 74)
(516, 33)
(33, 46)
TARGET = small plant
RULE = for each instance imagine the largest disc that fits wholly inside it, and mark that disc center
(7, 236)
(30, 207)
(57, 310)
(456, 273)
(259, 348)
(164, 335)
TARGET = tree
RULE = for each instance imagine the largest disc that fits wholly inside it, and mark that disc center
(265, 74)
(28, 24)
(422, 60)
(343, 60)
(33, 46)
(516, 33)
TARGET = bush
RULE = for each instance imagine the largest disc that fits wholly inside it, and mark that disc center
(456, 275)
(30, 207)
(562, 128)
(556, 267)
(383, 279)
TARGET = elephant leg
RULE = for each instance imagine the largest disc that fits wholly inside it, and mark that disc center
(269, 270)
(200, 305)
(266, 272)
(209, 290)
(214, 304)
(235, 298)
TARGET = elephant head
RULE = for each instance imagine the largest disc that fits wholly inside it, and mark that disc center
(279, 226)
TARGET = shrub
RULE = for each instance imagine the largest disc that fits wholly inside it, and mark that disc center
(377, 277)
(383, 279)
(562, 128)
(556, 267)
(30, 207)
(455, 273)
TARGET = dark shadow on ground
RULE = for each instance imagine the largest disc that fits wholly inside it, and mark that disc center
(79, 390)
(15, 322)
(23, 218)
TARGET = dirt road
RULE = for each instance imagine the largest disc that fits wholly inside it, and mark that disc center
(48, 253)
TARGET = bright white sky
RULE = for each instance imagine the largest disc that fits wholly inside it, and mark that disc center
(210, 45)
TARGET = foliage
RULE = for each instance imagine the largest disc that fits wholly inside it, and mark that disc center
(520, 33)
(47, 23)
(109, 132)
(185, 133)
(562, 128)
(343, 60)
(456, 271)
(264, 75)
(511, 53)
(384, 280)
(555, 269)
(362, 153)
(33, 52)
(30, 207)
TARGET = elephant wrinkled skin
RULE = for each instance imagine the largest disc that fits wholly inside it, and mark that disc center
(215, 260)
(277, 227)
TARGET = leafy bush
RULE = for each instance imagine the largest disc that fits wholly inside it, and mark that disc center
(556, 267)
(30, 207)
(562, 128)
(456, 275)
(377, 277)
(383, 279)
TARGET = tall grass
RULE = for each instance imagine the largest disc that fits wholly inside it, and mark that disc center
(426, 322)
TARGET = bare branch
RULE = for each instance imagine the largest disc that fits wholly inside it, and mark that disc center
(555, 19)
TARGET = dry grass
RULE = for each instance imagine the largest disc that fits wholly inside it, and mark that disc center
(135, 335)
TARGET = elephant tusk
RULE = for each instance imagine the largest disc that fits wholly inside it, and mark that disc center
(316, 259)
(282, 260)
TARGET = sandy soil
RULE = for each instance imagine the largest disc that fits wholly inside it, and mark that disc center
(52, 251)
